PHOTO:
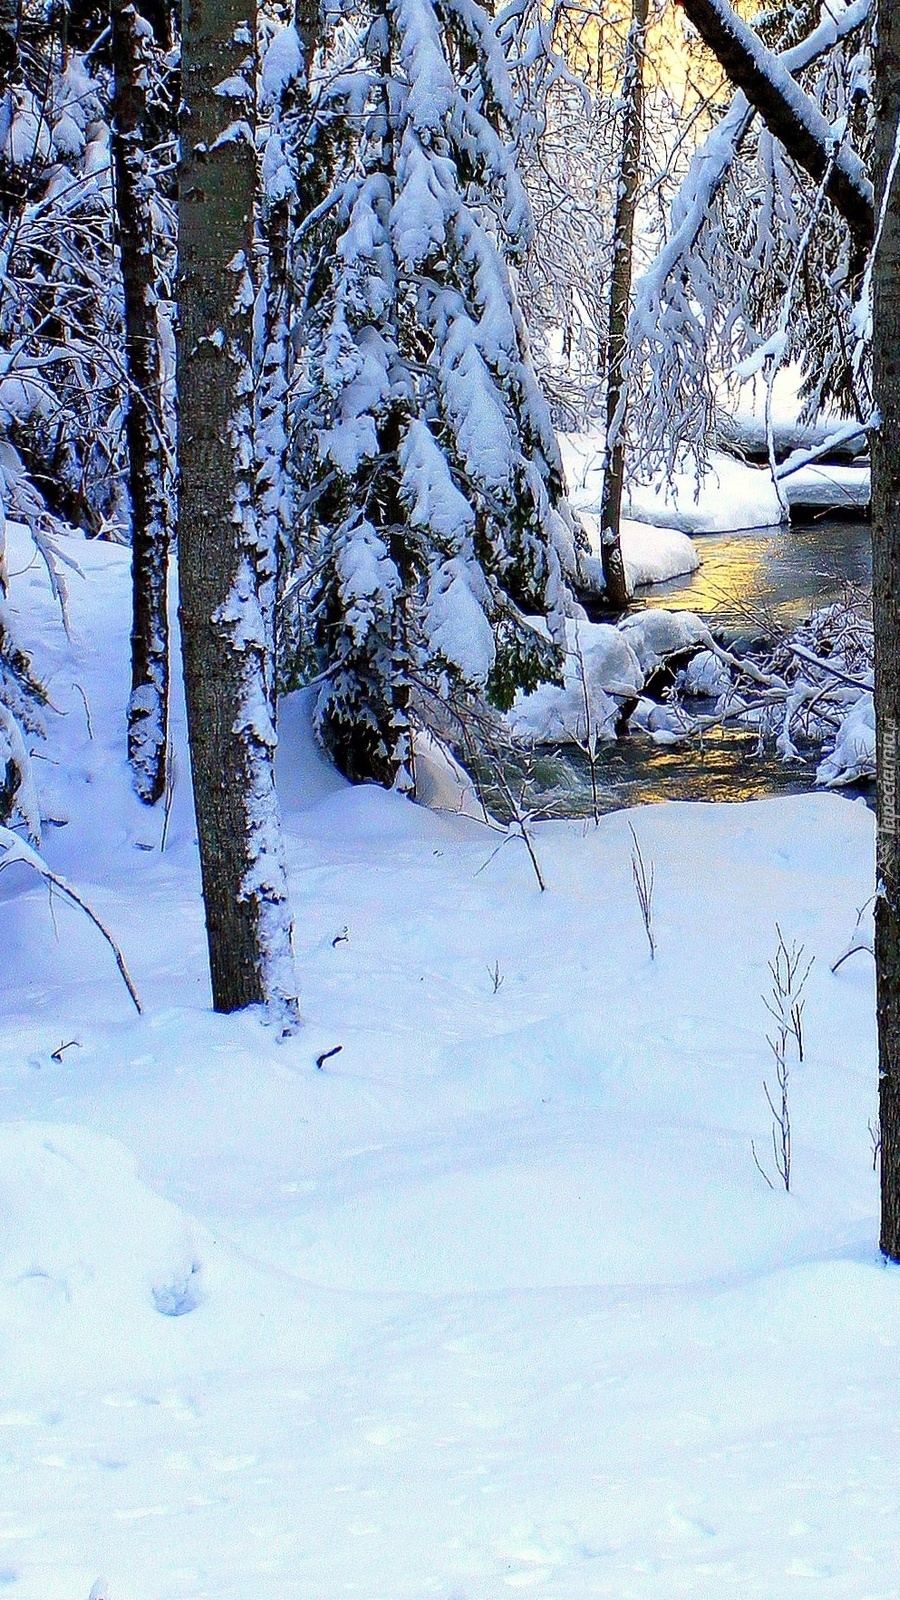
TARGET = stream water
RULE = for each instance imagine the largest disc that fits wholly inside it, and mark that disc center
(784, 573)
(746, 577)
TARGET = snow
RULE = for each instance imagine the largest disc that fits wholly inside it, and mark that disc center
(654, 635)
(601, 671)
(829, 488)
(281, 64)
(652, 555)
(495, 1299)
(729, 495)
(455, 622)
(606, 667)
(706, 674)
(853, 756)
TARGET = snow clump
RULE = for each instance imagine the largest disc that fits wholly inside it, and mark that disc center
(853, 756)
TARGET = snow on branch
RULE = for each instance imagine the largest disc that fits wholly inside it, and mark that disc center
(710, 165)
(677, 301)
(788, 112)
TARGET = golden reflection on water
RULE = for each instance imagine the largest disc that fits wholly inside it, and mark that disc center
(746, 578)
(723, 766)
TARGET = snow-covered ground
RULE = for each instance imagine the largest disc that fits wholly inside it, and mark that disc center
(497, 1298)
(651, 555)
(829, 488)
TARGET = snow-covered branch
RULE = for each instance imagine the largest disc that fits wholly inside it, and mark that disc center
(788, 113)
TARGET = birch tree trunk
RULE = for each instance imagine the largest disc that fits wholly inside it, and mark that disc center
(614, 575)
(151, 507)
(226, 562)
(886, 604)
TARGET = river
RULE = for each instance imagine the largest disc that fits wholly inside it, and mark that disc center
(745, 577)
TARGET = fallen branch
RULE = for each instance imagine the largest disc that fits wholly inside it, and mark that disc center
(15, 849)
(826, 666)
(845, 435)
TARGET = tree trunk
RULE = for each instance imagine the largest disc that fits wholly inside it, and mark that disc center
(226, 567)
(151, 513)
(886, 605)
(281, 212)
(614, 575)
(787, 112)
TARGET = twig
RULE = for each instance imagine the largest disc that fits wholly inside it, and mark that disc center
(520, 819)
(854, 950)
(786, 1006)
(643, 885)
(759, 1166)
(590, 738)
(875, 1136)
(57, 1054)
(87, 709)
(170, 797)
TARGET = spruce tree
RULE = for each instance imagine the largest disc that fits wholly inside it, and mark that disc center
(437, 533)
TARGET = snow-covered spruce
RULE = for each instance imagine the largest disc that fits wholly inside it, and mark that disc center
(438, 528)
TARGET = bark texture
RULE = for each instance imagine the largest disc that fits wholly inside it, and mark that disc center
(226, 565)
(614, 576)
(787, 112)
(886, 602)
(151, 509)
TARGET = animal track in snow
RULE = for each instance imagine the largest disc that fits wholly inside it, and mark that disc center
(183, 1293)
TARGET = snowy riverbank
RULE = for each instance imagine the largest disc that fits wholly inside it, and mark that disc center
(497, 1298)
(732, 494)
